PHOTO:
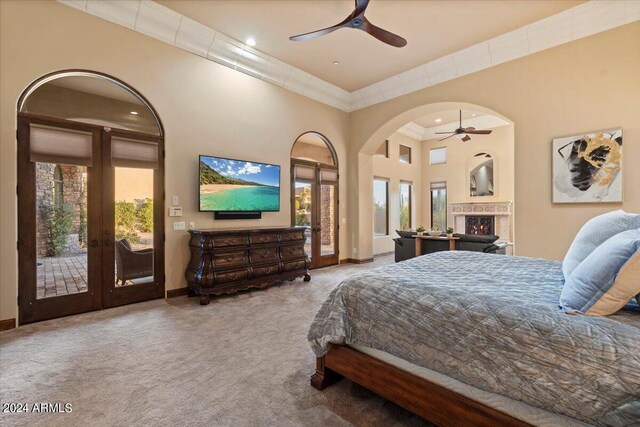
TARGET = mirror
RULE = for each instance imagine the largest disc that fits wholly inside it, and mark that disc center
(481, 175)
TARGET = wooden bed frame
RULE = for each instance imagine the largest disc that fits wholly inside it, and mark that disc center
(424, 398)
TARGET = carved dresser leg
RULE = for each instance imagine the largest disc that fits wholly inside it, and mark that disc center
(323, 377)
(204, 299)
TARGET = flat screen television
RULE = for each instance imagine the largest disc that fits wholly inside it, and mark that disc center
(230, 185)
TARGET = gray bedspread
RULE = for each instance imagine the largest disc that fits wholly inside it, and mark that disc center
(492, 322)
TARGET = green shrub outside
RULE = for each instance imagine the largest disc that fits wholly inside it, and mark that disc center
(58, 221)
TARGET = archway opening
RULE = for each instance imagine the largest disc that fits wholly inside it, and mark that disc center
(314, 196)
(416, 166)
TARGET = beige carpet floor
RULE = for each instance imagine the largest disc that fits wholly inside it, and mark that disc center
(243, 360)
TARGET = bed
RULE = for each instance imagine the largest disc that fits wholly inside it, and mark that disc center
(467, 338)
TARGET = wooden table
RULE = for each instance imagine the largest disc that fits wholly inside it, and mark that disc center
(419, 239)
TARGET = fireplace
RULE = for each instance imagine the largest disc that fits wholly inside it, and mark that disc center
(480, 225)
(484, 218)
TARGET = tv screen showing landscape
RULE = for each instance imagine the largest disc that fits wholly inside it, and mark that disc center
(228, 185)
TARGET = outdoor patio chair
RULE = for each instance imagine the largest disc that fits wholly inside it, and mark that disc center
(132, 264)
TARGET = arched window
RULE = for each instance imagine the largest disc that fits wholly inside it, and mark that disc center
(58, 187)
(90, 97)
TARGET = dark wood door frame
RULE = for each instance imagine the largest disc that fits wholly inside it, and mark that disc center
(317, 259)
(100, 280)
(32, 309)
(111, 295)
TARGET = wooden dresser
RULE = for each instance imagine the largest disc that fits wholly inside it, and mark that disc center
(228, 260)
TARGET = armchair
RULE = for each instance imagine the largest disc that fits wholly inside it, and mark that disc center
(132, 264)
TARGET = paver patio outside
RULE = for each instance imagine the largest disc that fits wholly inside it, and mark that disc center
(58, 276)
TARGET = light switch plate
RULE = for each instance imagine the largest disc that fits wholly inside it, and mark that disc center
(192, 225)
(175, 211)
(180, 225)
(175, 200)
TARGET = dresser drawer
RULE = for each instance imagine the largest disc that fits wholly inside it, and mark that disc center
(259, 238)
(230, 276)
(293, 251)
(263, 255)
(230, 259)
(291, 236)
(295, 265)
(226, 241)
(265, 270)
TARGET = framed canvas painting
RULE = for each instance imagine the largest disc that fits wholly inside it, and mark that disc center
(587, 168)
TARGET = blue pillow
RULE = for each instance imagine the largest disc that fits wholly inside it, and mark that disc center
(594, 233)
(607, 279)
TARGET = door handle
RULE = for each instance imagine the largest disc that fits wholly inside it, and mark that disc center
(94, 243)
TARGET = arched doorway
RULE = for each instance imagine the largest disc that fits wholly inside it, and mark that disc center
(90, 196)
(361, 194)
(314, 196)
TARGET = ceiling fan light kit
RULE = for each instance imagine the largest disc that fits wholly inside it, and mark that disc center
(357, 21)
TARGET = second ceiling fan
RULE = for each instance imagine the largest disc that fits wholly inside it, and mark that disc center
(358, 21)
(464, 131)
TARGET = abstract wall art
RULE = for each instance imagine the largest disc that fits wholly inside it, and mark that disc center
(587, 168)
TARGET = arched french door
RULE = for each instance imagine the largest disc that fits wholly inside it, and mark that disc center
(314, 196)
(90, 196)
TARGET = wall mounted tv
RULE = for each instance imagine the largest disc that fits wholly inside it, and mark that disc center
(229, 185)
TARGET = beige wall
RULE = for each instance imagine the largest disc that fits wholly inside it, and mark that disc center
(589, 84)
(456, 171)
(392, 169)
(205, 108)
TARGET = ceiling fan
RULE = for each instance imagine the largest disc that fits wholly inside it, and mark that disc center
(358, 21)
(464, 131)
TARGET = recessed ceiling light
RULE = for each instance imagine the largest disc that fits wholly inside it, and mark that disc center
(438, 120)
(473, 115)
(336, 62)
(135, 113)
(251, 41)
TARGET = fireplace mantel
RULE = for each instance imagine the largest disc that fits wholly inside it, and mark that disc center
(481, 208)
(502, 212)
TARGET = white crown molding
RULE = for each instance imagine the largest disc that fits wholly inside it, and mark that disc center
(162, 23)
(412, 130)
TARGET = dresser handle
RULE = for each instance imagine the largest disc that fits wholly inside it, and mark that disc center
(229, 258)
(233, 276)
(265, 254)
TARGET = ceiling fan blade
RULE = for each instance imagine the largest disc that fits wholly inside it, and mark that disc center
(322, 32)
(382, 35)
(466, 138)
(446, 137)
(479, 132)
(437, 133)
(361, 6)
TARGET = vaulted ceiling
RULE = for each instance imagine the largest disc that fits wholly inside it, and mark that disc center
(432, 28)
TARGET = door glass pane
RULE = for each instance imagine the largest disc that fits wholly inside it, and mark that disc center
(303, 212)
(133, 226)
(61, 229)
(328, 219)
